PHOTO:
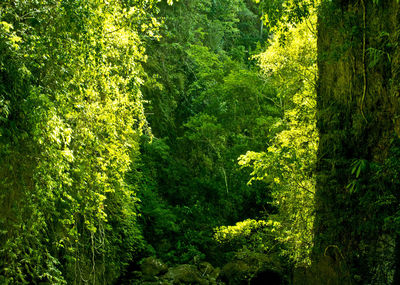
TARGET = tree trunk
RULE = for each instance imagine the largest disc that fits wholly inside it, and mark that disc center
(358, 119)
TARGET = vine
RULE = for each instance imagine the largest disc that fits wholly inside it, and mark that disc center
(363, 61)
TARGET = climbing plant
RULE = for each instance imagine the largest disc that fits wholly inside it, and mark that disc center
(71, 115)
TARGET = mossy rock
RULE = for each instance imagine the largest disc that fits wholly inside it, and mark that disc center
(152, 267)
(235, 272)
(206, 269)
(208, 272)
(185, 274)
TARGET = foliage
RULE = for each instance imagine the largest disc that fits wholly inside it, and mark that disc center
(290, 159)
(207, 104)
(278, 15)
(85, 192)
(256, 249)
(249, 233)
(71, 115)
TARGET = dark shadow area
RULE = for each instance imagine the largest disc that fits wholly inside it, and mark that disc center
(267, 277)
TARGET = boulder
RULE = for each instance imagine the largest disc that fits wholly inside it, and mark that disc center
(205, 268)
(185, 274)
(208, 272)
(152, 267)
(235, 272)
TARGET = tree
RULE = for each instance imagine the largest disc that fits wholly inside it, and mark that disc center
(204, 95)
(288, 163)
(71, 116)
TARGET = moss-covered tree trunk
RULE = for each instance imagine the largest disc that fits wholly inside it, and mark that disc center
(358, 120)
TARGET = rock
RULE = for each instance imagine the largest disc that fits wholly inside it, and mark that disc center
(252, 268)
(215, 273)
(152, 267)
(235, 272)
(185, 274)
(208, 272)
(205, 268)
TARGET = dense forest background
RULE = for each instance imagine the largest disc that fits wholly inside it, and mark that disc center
(199, 142)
